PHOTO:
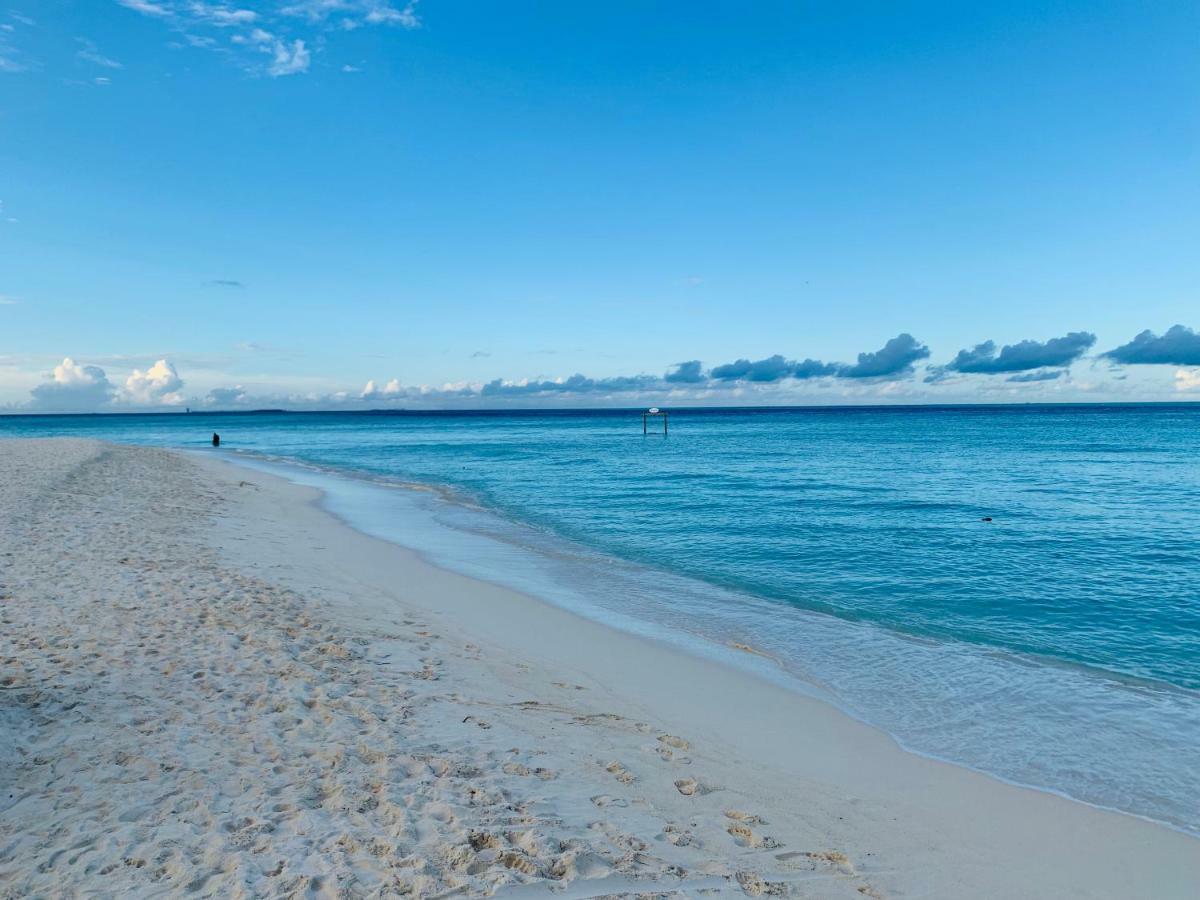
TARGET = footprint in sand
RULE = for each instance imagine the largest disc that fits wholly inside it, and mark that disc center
(690, 786)
(753, 885)
(745, 818)
(515, 768)
(834, 858)
(679, 836)
(620, 773)
(603, 800)
(744, 836)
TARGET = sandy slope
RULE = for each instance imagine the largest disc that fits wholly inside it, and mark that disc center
(210, 687)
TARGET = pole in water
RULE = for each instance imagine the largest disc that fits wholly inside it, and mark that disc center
(216, 439)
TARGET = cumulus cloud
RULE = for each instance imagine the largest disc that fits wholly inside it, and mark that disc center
(576, 384)
(231, 396)
(157, 386)
(685, 373)
(813, 368)
(773, 368)
(1187, 379)
(73, 388)
(390, 391)
(1049, 375)
(894, 360)
(1180, 346)
(288, 58)
(1023, 356)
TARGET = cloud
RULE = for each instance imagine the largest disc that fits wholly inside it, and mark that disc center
(576, 384)
(73, 388)
(391, 391)
(225, 282)
(157, 386)
(285, 32)
(1187, 380)
(1024, 356)
(480, 354)
(686, 373)
(12, 60)
(89, 52)
(351, 14)
(220, 15)
(288, 59)
(146, 8)
(5, 300)
(895, 359)
(234, 396)
(1180, 346)
(813, 368)
(1049, 375)
(773, 368)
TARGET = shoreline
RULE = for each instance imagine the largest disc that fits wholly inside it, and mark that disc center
(536, 748)
(746, 658)
(803, 725)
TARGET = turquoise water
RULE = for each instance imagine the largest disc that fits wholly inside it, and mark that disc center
(1057, 645)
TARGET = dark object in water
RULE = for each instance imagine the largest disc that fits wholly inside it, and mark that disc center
(984, 519)
(216, 439)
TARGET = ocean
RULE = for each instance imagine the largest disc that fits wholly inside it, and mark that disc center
(1012, 588)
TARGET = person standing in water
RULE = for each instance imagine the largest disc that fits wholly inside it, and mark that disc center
(216, 439)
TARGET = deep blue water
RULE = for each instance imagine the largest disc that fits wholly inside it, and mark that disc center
(1057, 645)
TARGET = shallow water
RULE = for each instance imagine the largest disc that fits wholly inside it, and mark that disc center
(1057, 645)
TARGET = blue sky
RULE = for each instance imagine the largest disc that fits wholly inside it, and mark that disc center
(468, 204)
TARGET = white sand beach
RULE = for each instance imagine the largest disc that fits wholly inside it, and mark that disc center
(211, 687)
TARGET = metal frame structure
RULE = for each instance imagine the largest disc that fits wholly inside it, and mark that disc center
(655, 412)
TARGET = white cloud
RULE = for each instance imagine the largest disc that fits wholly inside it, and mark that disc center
(390, 391)
(350, 14)
(288, 59)
(146, 8)
(11, 59)
(89, 52)
(1187, 379)
(405, 18)
(221, 16)
(157, 386)
(73, 388)
(271, 28)
(5, 300)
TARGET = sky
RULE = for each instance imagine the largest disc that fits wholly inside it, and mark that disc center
(372, 203)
